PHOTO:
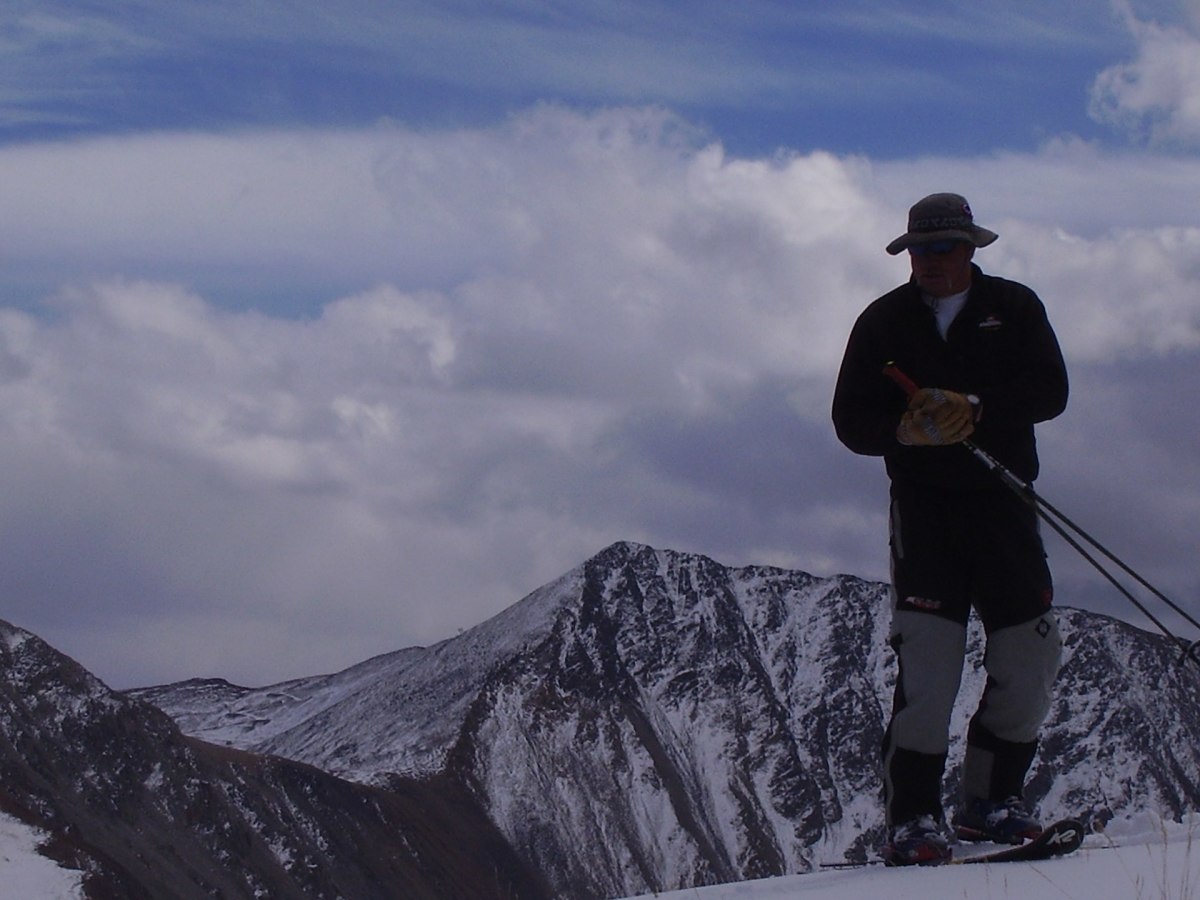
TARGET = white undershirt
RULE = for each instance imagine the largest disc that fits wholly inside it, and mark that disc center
(945, 309)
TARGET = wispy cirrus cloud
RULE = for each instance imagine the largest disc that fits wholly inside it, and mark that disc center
(764, 74)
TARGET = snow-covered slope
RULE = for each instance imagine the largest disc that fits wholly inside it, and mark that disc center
(415, 699)
(1158, 862)
(27, 874)
(121, 797)
(654, 720)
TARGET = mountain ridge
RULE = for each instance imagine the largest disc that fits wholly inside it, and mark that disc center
(145, 812)
(651, 720)
(672, 722)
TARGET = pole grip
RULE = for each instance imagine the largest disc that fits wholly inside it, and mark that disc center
(906, 384)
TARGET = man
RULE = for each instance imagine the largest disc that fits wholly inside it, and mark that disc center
(988, 366)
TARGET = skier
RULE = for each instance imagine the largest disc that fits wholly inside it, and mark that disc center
(989, 367)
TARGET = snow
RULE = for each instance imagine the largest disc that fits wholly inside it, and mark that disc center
(319, 720)
(1147, 860)
(27, 874)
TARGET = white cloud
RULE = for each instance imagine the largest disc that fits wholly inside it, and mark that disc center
(549, 335)
(1158, 94)
(1127, 295)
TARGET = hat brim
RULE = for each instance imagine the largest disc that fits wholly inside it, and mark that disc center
(979, 237)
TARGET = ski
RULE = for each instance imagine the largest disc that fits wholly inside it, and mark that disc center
(1057, 839)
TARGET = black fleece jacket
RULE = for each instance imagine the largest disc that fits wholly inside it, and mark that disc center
(1000, 347)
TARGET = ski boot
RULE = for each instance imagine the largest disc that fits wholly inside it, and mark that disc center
(1003, 821)
(918, 842)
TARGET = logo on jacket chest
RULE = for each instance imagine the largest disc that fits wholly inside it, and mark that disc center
(991, 323)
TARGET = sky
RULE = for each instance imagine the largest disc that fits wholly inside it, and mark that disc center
(328, 332)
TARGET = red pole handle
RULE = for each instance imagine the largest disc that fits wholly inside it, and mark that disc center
(906, 384)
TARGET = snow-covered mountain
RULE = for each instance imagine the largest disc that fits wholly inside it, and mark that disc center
(118, 793)
(654, 720)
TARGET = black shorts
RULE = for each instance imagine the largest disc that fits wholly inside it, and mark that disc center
(957, 550)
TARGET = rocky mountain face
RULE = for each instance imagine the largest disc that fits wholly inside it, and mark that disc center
(649, 721)
(654, 720)
(147, 813)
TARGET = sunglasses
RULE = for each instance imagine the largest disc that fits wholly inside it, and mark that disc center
(935, 248)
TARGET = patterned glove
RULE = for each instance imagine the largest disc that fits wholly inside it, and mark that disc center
(936, 418)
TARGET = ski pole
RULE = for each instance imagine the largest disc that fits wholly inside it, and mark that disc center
(1060, 523)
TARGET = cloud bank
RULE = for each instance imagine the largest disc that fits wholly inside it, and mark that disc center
(489, 352)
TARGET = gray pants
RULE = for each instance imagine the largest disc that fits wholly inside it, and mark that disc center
(1021, 661)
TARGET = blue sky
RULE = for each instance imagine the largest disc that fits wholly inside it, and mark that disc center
(852, 77)
(328, 332)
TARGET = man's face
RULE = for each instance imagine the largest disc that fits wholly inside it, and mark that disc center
(942, 268)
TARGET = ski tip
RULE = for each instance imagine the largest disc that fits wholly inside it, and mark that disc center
(1066, 835)
(1057, 839)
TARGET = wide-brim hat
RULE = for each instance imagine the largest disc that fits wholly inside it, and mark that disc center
(941, 217)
